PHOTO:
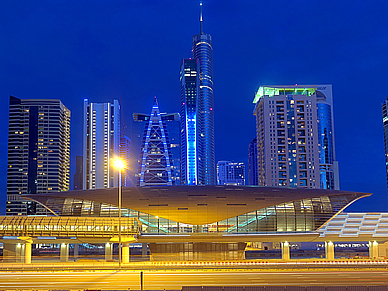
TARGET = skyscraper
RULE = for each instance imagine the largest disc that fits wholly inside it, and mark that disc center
(101, 139)
(252, 163)
(155, 168)
(38, 151)
(197, 104)
(295, 136)
(328, 166)
(385, 127)
(140, 122)
(229, 173)
(125, 155)
(78, 175)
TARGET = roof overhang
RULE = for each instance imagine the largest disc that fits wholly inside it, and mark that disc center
(196, 205)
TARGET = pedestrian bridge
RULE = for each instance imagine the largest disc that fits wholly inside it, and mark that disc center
(60, 226)
(19, 232)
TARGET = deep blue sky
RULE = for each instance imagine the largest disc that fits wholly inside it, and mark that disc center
(105, 50)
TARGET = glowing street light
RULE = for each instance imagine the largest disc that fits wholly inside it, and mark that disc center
(119, 165)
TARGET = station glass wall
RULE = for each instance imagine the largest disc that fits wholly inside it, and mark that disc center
(295, 216)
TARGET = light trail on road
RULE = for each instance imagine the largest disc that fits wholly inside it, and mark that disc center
(121, 280)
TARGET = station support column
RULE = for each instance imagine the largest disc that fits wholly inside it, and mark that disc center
(27, 253)
(143, 249)
(373, 249)
(76, 251)
(125, 253)
(329, 250)
(64, 252)
(285, 250)
(108, 251)
(17, 251)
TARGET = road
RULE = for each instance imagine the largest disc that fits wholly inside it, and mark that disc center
(121, 280)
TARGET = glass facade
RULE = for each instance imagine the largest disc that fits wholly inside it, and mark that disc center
(203, 53)
(325, 142)
(304, 215)
(197, 112)
(190, 145)
(252, 163)
(229, 173)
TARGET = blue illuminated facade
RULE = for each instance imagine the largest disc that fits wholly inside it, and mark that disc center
(325, 141)
(385, 127)
(171, 121)
(155, 169)
(197, 104)
(189, 108)
(252, 163)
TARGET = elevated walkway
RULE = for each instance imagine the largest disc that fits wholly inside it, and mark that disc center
(18, 233)
(62, 226)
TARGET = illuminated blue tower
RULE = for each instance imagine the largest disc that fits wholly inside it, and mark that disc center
(197, 115)
(155, 159)
(328, 166)
(189, 123)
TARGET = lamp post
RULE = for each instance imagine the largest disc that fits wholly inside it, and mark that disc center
(119, 165)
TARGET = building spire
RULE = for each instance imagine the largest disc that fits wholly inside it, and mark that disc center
(200, 19)
(155, 102)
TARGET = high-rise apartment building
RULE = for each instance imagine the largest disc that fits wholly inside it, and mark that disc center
(156, 162)
(78, 175)
(295, 136)
(125, 155)
(385, 127)
(101, 140)
(38, 152)
(229, 173)
(252, 163)
(197, 113)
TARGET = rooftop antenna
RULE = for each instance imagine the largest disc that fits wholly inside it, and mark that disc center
(200, 18)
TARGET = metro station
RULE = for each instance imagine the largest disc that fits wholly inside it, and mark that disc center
(199, 223)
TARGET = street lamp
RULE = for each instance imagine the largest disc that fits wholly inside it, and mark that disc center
(119, 165)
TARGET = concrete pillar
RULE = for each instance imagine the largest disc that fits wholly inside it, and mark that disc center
(11, 252)
(143, 249)
(329, 250)
(285, 250)
(108, 251)
(373, 249)
(125, 253)
(27, 253)
(64, 252)
(21, 252)
(383, 249)
(76, 251)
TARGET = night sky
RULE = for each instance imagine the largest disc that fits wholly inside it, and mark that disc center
(131, 50)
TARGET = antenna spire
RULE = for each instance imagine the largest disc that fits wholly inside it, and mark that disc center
(200, 18)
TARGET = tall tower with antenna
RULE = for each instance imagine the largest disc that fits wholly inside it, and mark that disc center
(197, 112)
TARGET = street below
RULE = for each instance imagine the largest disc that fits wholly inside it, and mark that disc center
(159, 280)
